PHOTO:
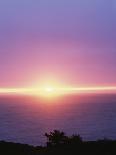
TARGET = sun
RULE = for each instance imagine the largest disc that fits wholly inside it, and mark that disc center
(49, 92)
(49, 89)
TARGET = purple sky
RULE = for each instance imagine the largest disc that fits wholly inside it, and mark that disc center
(68, 40)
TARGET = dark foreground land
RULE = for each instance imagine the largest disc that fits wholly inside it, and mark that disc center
(59, 144)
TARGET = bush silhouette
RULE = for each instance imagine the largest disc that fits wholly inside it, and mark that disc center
(57, 138)
(75, 139)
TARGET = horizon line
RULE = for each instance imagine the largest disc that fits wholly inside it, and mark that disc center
(57, 90)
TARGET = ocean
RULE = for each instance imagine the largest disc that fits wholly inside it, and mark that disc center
(25, 119)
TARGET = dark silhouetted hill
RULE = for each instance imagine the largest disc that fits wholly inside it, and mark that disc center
(60, 144)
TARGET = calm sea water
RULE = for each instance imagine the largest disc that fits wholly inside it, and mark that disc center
(26, 119)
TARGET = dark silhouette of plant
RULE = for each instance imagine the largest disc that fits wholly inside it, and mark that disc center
(75, 139)
(56, 138)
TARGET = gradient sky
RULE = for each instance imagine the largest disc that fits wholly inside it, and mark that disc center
(72, 41)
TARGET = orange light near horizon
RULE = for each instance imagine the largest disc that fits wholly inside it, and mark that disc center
(55, 90)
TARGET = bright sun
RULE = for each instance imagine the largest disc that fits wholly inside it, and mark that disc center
(49, 89)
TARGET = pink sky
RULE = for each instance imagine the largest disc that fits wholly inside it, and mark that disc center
(69, 41)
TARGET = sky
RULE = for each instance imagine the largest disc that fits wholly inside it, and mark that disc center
(70, 41)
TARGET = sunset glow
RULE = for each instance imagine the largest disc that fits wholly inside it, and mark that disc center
(49, 89)
(52, 91)
(57, 38)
